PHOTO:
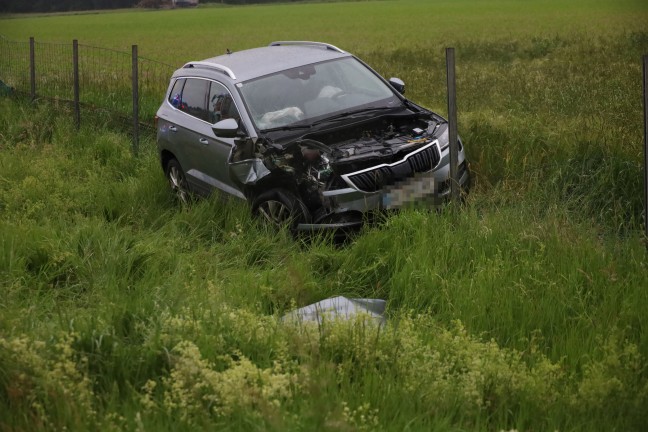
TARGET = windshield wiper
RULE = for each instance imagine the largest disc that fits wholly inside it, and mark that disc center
(286, 128)
(355, 113)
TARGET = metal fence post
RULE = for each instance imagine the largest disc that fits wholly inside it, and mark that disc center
(452, 123)
(32, 67)
(135, 102)
(645, 104)
(75, 60)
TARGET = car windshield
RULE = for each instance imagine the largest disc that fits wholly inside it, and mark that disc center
(313, 92)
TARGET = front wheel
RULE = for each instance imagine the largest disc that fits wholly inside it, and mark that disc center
(280, 208)
(177, 181)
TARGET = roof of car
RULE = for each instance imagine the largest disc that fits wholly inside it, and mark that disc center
(257, 62)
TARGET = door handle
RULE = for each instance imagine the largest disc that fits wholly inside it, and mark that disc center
(203, 141)
(173, 129)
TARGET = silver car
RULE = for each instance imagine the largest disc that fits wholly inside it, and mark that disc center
(308, 134)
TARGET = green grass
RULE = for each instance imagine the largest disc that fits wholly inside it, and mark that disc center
(524, 310)
(108, 285)
(187, 34)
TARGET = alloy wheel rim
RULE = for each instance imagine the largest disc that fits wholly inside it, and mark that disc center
(176, 180)
(275, 212)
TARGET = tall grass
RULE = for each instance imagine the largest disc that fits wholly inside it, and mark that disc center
(524, 309)
(510, 313)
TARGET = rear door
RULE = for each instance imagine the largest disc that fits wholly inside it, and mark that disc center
(187, 124)
(191, 125)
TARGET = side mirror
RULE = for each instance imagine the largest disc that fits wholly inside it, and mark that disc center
(398, 84)
(227, 128)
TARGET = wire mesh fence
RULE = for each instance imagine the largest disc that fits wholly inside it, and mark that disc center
(104, 78)
(53, 66)
(14, 63)
(154, 79)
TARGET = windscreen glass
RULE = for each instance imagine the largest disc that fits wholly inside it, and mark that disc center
(313, 92)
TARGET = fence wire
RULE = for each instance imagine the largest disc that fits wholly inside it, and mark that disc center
(14, 63)
(53, 63)
(105, 77)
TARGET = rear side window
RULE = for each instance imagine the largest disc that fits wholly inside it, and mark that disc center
(175, 97)
(190, 95)
(194, 98)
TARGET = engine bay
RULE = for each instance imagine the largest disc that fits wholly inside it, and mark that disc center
(356, 146)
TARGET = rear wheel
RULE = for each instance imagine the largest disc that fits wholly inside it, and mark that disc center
(280, 208)
(177, 181)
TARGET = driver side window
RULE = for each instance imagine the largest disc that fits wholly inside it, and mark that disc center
(221, 106)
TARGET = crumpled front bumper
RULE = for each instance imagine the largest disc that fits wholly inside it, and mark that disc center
(349, 205)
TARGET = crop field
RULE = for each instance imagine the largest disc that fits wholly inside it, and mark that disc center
(523, 309)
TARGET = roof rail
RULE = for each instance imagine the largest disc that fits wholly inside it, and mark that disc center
(308, 43)
(227, 71)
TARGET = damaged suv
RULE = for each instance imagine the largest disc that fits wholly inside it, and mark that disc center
(308, 134)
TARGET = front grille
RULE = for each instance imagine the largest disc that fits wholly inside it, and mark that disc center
(425, 160)
(374, 179)
(371, 181)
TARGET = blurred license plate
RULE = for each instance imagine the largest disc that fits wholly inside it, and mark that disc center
(416, 189)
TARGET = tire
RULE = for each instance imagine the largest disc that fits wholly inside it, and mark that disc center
(177, 181)
(280, 208)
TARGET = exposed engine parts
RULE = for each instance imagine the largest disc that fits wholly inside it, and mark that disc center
(321, 156)
(341, 158)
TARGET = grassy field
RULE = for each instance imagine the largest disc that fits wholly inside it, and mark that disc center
(525, 309)
(186, 34)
